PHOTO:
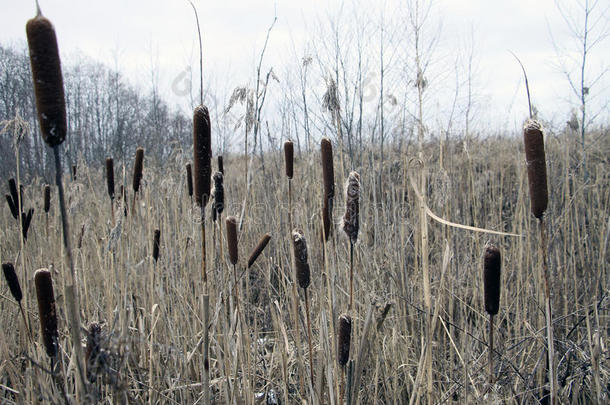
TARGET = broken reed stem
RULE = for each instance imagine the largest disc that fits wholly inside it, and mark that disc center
(549, 313)
(309, 338)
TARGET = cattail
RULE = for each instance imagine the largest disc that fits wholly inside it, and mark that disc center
(328, 175)
(47, 78)
(46, 310)
(536, 166)
(258, 249)
(202, 151)
(351, 222)
(492, 262)
(47, 198)
(219, 195)
(137, 170)
(299, 245)
(73, 172)
(12, 206)
(110, 177)
(12, 281)
(189, 179)
(231, 224)
(12, 186)
(93, 350)
(156, 244)
(289, 157)
(343, 340)
(26, 219)
(221, 167)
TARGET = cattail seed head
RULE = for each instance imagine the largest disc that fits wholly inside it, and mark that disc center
(93, 350)
(156, 244)
(73, 172)
(289, 157)
(47, 198)
(492, 263)
(189, 179)
(202, 151)
(46, 310)
(351, 220)
(299, 245)
(536, 166)
(221, 167)
(26, 220)
(47, 78)
(328, 175)
(258, 249)
(137, 169)
(12, 281)
(12, 186)
(231, 223)
(12, 206)
(110, 177)
(343, 339)
(219, 194)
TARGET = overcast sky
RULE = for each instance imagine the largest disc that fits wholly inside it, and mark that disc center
(134, 35)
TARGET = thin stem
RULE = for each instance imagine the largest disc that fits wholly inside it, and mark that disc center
(491, 348)
(25, 322)
(351, 275)
(549, 314)
(309, 338)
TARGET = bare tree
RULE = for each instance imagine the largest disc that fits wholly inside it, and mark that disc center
(588, 25)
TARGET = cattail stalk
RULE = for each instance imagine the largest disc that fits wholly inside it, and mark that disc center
(299, 247)
(492, 264)
(533, 138)
(51, 109)
(351, 224)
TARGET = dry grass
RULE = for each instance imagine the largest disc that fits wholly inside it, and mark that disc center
(151, 327)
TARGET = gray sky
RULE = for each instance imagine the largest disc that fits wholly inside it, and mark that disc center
(134, 35)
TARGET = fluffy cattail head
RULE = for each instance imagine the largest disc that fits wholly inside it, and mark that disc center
(12, 281)
(536, 166)
(93, 350)
(156, 244)
(48, 80)
(289, 158)
(219, 195)
(46, 310)
(47, 198)
(328, 175)
(258, 249)
(351, 220)
(232, 239)
(202, 151)
(492, 263)
(189, 179)
(137, 169)
(110, 177)
(299, 245)
(343, 340)
(221, 167)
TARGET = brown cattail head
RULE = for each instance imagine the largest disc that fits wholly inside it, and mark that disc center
(93, 350)
(258, 249)
(110, 177)
(137, 169)
(219, 195)
(492, 263)
(328, 174)
(47, 198)
(232, 239)
(12, 186)
(289, 157)
(46, 310)
(47, 78)
(202, 151)
(73, 172)
(536, 166)
(12, 206)
(189, 179)
(156, 244)
(221, 167)
(351, 220)
(299, 245)
(12, 281)
(343, 340)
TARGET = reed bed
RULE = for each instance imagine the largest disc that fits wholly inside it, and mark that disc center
(150, 332)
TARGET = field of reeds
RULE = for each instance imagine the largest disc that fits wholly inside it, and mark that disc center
(137, 262)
